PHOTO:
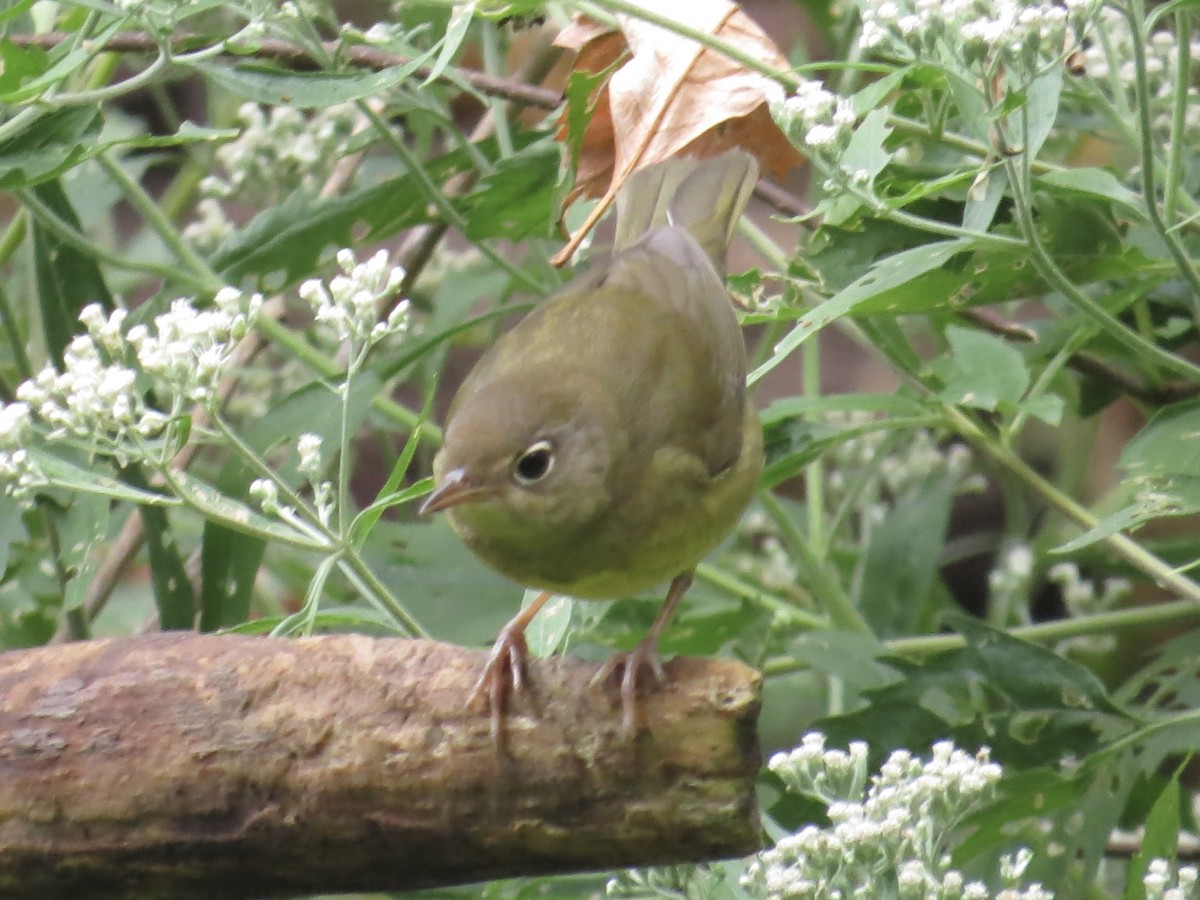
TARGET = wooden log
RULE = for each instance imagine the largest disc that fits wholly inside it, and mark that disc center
(183, 765)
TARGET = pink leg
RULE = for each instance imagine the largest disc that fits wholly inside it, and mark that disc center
(505, 668)
(644, 655)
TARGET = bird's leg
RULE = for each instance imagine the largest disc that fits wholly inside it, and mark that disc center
(510, 653)
(644, 655)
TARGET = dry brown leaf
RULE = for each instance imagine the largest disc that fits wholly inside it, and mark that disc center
(672, 97)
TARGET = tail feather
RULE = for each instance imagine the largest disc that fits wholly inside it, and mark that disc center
(704, 197)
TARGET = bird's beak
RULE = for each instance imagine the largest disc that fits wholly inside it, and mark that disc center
(456, 488)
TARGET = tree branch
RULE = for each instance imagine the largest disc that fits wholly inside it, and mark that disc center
(184, 765)
(290, 55)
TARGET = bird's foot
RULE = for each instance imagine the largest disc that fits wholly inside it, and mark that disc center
(630, 664)
(504, 672)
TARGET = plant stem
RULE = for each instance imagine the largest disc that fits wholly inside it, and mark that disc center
(823, 583)
(1136, 13)
(926, 645)
(1057, 279)
(780, 606)
(1162, 574)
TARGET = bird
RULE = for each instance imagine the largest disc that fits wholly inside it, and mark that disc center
(605, 444)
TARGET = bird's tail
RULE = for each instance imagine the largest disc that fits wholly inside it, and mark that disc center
(704, 197)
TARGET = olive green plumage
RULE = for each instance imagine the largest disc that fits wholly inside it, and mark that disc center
(605, 444)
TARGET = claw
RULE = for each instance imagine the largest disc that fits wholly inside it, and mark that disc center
(630, 664)
(505, 669)
(503, 672)
(643, 656)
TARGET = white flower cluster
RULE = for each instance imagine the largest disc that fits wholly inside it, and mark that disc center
(96, 399)
(1109, 59)
(690, 881)
(897, 829)
(1010, 578)
(265, 492)
(19, 475)
(820, 119)
(905, 468)
(978, 32)
(770, 561)
(349, 305)
(281, 149)
(1157, 881)
(1080, 594)
(188, 349)
(211, 228)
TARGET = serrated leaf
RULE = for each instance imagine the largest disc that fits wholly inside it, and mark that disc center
(1030, 705)
(983, 371)
(516, 201)
(19, 64)
(284, 243)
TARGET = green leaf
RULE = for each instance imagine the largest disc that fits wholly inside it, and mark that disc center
(983, 199)
(546, 632)
(452, 39)
(865, 152)
(240, 517)
(77, 479)
(1159, 841)
(797, 407)
(1121, 520)
(67, 279)
(294, 239)
(1041, 103)
(1168, 445)
(66, 58)
(857, 660)
(1096, 183)
(518, 199)
(884, 285)
(173, 594)
(229, 562)
(902, 559)
(284, 243)
(1030, 705)
(53, 143)
(580, 88)
(983, 371)
(18, 65)
(446, 588)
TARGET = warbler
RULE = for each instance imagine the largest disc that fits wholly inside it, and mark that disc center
(605, 444)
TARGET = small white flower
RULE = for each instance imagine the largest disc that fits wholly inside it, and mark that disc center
(309, 448)
(350, 302)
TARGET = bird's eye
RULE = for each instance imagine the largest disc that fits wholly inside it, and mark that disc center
(535, 463)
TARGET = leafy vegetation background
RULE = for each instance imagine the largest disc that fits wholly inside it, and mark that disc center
(973, 320)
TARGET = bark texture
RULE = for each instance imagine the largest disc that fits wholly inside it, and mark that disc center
(183, 765)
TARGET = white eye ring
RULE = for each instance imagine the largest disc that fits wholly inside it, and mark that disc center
(535, 463)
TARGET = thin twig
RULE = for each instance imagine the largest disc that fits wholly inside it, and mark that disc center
(1087, 363)
(297, 57)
